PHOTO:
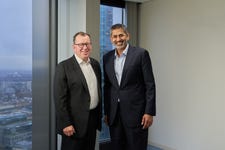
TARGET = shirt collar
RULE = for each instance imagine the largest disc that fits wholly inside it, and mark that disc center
(80, 61)
(124, 52)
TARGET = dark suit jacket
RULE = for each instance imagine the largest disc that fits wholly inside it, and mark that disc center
(71, 94)
(136, 91)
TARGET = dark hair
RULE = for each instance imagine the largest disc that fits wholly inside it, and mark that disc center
(82, 34)
(119, 26)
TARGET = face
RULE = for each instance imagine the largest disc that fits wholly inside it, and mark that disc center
(119, 39)
(82, 47)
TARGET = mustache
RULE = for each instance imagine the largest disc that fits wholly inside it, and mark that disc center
(122, 41)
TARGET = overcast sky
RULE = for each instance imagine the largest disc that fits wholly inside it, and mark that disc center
(15, 34)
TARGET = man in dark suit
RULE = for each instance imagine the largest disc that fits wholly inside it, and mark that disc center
(77, 93)
(129, 92)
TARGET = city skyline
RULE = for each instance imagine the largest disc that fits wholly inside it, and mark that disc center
(16, 110)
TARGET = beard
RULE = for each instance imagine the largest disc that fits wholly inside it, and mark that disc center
(120, 45)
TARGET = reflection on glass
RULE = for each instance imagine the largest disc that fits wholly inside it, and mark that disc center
(108, 16)
(16, 75)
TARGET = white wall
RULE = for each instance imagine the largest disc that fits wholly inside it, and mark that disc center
(186, 39)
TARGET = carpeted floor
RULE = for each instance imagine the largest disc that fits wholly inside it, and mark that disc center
(106, 146)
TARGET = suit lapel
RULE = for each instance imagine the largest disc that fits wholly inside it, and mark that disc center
(95, 69)
(111, 67)
(126, 65)
(79, 72)
(98, 77)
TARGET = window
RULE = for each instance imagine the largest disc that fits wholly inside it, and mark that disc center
(16, 74)
(109, 15)
(25, 74)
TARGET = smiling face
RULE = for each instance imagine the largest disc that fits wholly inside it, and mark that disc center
(119, 38)
(82, 46)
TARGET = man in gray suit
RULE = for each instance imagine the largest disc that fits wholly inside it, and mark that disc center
(77, 93)
(129, 92)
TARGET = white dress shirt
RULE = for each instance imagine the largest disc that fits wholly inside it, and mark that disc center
(119, 63)
(91, 80)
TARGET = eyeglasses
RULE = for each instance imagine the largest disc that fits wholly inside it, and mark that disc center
(81, 45)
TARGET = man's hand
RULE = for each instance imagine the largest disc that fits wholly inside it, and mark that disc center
(69, 131)
(147, 121)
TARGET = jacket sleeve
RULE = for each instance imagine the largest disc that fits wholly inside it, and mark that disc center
(106, 90)
(149, 84)
(61, 96)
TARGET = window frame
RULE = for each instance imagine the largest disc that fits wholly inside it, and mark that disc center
(113, 3)
(44, 48)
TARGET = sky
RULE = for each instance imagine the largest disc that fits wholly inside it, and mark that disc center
(16, 34)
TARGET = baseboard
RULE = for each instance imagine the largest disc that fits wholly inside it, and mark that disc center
(163, 147)
(105, 145)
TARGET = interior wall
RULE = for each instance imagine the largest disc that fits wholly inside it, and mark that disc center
(75, 16)
(186, 43)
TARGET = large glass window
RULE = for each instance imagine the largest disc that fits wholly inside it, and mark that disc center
(109, 15)
(16, 74)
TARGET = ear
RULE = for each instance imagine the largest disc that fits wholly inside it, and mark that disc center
(73, 46)
(111, 39)
(128, 36)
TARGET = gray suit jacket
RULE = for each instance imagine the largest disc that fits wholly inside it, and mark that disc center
(136, 90)
(72, 98)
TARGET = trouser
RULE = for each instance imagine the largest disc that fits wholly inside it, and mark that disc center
(127, 138)
(85, 143)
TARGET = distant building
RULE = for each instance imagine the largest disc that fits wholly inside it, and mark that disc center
(14, 128)
(16, 110)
